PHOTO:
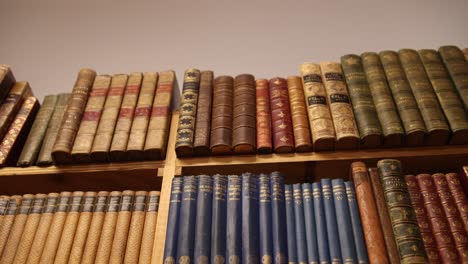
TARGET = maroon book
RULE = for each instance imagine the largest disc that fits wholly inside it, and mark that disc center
(283, 137)
(459, 196)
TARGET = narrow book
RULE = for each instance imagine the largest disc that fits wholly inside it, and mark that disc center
(347, 134)
(234, 220)
(149, 229)
(309, 223)
(465, 52)
(61, 152)
(135, 233)
(170, 246)
(459, 196)
(301, 240)
(218, 222)
(201, 141)
(282, 130)
(361, 250)
(84, 222)
(302, 140)
(290, 224)
(7, 80)
(203, 220)
(321, 224)
(8, 220)
(264, 145)
(457, 66)
(188, 211)
(265, 221)
(12, 104)
(222, 115)
(244, 115)
(108, 228)
(122, 226)
(278, 219)
(250, 219)
(332, 226)
(3, 206)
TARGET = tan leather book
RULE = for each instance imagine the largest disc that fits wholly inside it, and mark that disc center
(300, 120)
(160, 120)
(8, 220)
(222, 115)
(201, 142)
(135, 233)
(149, 229)
(12, 104)
(244, 115)
(347, 134)
(137, 138)
(71, 120)
(264, 144)
(122, 227)
(3, 206)
(7, 79)
(89, 122)
(125, 119)
(108, 228)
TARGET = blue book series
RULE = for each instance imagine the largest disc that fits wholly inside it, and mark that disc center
(188, 211)
(345, 230)
(218, 225)
(203, 220)
(170, 249)
(359, 241)
(250, 218)
(234, 220)
(265, 222)
(278, 218)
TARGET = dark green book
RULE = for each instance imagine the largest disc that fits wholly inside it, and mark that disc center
(457, 66)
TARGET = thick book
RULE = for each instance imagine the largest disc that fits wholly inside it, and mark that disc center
(170, 246)
(203, 220)
(309, 223)
(290, 224)
(218, 222)
(457, 66)
(201, 141)
(188, 214)
(282, 130)
(459, 196)
(149, 229)
(122, 226)
(334, 240)
(413, 123)
(264, 219)
(8, 220)
(436, 124)
(300, 121)
(108, 228)
(358, 233)
(364, 109)
(446, 93)
(187, 113)
(234, 220)
(301, 240)
(135, 233)
(81, 151)
(244, 115)
(278, 218)
(7, 80)
(392, 129)
(320, 223)
(11, 105)
(61, 152)
(347, 134)
(36, 135)
(264, 144)
(222, 115)
(250, 219)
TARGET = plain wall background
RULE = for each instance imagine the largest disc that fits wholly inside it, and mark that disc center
(46, 42)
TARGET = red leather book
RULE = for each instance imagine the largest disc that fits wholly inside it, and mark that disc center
(283, 137)
(459, 196)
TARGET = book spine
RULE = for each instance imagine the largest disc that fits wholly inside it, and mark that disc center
(135, 233)
(11, 105)
(119, 243)
(446, 93)
(347, 134)
(160, 120)
(137, 137)
(3, 206)
(264, 145)
(124, 121)
(170, 246)
(373, 235)
(302, 140)
(250, 219)
(222, 115)
(301, 240)
(244, 115)
(188, 113)
(361, 250)
(265, 221)
(426, 99)
(71, 118)
(309, 223)
(282, 130)
(188, 211)
(109, 115)
(408, 110)
(149, 229)
(290, 224)
(203, 220)
(457, 66)
(89, 122)
(402, 217)
(8, 220)
(321, 224)
(7, 80)
(278, 219)
(320, 118)
(392, 128)
(201, 142)
(218, 223)
(332, 226)
(234, 220)
(461, 201)
(108, 228)
(362, 102)
(465, 52)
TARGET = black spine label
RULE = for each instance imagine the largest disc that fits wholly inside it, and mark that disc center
(314, 100)
(312, 78)
(339, 98)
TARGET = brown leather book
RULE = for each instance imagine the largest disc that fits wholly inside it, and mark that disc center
(423, 220)
(222, 115)
(105, 130)
(201, 142)
(108, 228)
(122, 226)
(125, 119)
(244, 115)
(384, 217)
(264, 144)
(12, 143)
(149, 229)
(85, 136)
(439, 224)
(136, 140)
(79, 240)
(300, 121)
(347, 134)
(282, 130)
(7, 79)
(73, 114)
(373, 234)
(160, 120)
(459, 196)
(132, 251)
(8, 220)
(465, 52)
(11, 105)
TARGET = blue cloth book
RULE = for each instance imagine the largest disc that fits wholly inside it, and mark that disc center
(265, 222)
(359, 241)
(203, 220)
(309, 219)
(330, 217)
(234, 220)
(170, 248)
(278, 218)
(188, 211)
(250, 218)
(290, 224)
(321, 224)
(218, 223)
(301, 241)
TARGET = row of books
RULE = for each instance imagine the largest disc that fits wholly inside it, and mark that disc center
(78, 227)
(385, 99)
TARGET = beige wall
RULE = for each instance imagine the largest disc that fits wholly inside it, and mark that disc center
(46, 41)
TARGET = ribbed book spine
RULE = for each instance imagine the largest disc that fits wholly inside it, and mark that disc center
(11, 104)
(361, 250)
(290, 224)
(201, 142)
(320, 118)
(13, 205)
(343, 220)
(203, 220)
(301, 240)
(264, 144)
(278, 219)
(84, 222)
(302, 140)
(108, 228)
(218, 222)
(250, 219)
(282, 130)
(309, 223)
(188, 211)
(459, 196)
(457, 66)
(170, 246)
(7, 79)
(151, 217)
(3, 206)
(361, 98)
(122, 227)
(265, 221)
(334, 239)
(244, 115)
(321, 224)
(234, 220)
(347, 134)
(408, 110)
(222, 115)
(95, 228)
(135, 233)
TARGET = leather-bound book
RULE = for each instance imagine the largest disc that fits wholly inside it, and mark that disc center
(218, 222)
(244, 115)
(203, 217)
(459, 196)
(347, 134)
(222, 115)
(187, 113)
(465, 52)
(3, 206)
(282, 130)
(7, 79)
(125, 119)
(132, 251)
(436, 124)
(446, 92)
(438, 221)
(160, 120)
(136, 140)
(61, 152)
(149, 229)
(423, 221)
(201, 142)
(11, 105)
(362, 102)
(300, 121)
(123, 223)
(81, 151)
(250, 219)
(392, 129)
(320, 118)
(264, 144)
(415, 129)
(8, 220)
(402, 216)
(45, 155)
(457, 66)
(372, 229)
(79, 240)
(36, 136)
(108, 228)
(110, 113)
(13, 142)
